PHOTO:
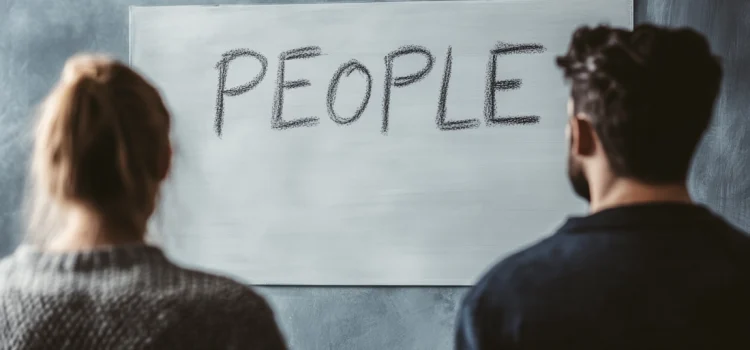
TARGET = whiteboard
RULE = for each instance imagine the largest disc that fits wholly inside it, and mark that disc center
(409, 143)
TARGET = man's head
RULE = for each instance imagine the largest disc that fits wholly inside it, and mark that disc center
(640, 102)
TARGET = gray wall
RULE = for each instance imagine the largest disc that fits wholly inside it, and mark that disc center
(36, 36)
(720, 173)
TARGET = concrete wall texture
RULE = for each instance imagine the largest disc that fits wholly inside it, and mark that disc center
(36, 36)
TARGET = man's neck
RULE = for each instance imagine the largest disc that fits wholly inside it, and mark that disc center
(622, 192)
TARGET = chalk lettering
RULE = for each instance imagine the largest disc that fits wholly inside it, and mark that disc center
(402, 81)
(223, 67)
(493, 85)
(441, 121)
(277, 122)
(348, 68)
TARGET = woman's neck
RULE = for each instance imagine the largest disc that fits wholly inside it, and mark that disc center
(88, 231)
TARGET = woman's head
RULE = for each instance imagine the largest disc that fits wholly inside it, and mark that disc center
(101, 145)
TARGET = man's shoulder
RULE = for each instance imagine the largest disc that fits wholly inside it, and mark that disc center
(552, 262)
(536, 268)
(522, 264)
(500, 294)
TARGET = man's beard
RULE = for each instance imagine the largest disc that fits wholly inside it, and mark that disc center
(578, 179)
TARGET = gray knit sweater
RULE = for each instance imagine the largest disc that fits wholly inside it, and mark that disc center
(127, 297)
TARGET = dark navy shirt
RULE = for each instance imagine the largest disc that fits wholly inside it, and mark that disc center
(653, 276)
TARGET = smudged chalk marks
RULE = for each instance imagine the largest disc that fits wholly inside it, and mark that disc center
(223, 67)
(520, 120)
(348, 68)
(405, 80)
(440, 120)
(493, 85)
(277, 122)
(503, 48)
(510, 84)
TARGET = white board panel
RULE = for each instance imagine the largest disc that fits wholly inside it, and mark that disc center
(295, 195)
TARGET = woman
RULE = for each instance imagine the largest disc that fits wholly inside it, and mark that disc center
(89, 281)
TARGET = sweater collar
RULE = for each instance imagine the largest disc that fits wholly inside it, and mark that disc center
(658, 214)
(118, 256)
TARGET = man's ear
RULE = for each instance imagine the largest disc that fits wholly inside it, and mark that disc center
(582, 136)
(166, 162)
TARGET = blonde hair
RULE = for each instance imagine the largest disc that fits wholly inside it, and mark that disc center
(102, 143)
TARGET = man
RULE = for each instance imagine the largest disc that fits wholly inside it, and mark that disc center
(648, 268)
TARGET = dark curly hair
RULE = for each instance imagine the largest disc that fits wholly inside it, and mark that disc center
(649, 93)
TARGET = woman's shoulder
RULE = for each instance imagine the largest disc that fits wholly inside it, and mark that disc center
(232, 310)
(213, 287)
(4, 267)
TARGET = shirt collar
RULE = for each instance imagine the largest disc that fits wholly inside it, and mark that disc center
(656, 214)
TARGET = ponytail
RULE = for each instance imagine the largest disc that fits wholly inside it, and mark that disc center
(101, 142)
